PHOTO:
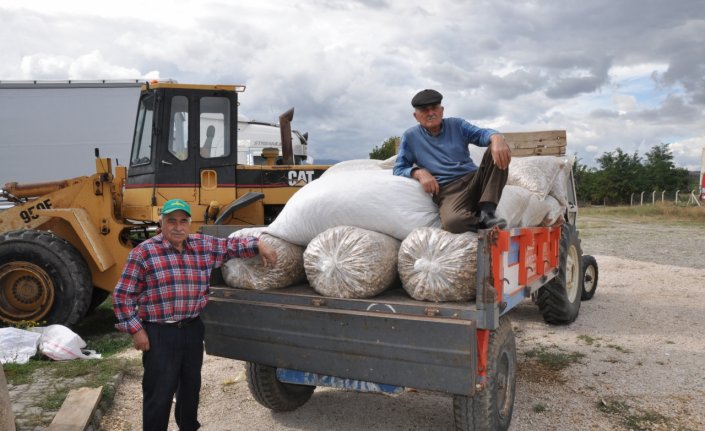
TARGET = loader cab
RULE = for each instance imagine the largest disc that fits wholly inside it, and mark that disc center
(184, 146)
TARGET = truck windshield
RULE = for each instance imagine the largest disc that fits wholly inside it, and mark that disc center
(142, 142)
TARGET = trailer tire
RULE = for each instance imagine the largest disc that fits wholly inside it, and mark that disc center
(590, 277)
(273, 394)
(43, 278)
(491, 409)
(559, 299)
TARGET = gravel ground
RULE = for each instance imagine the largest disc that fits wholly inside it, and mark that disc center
(635, 356)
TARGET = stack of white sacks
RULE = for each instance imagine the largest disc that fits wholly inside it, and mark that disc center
(352, 231)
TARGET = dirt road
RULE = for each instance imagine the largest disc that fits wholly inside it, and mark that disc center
(633, 359)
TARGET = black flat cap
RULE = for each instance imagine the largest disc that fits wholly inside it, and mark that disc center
(426, 97)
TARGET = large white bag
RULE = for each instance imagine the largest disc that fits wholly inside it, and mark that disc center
(512, 205)
(17, 345)
(372, 199)
(436, 265)
(62, 344)
(349, 262)
(535, 173)
(250, 273)
(354, 165)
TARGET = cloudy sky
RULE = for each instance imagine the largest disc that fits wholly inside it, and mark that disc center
(627, 73)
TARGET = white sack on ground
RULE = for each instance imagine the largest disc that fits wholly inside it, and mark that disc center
(512, 205)
(350, 262)
(373, 200)
(62, 344)
(17, 345)
(250, 273)
(435, 265)
(535, 173)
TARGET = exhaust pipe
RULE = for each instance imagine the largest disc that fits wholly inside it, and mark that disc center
(285, 130)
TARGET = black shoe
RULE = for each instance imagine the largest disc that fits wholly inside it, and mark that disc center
(489, 220)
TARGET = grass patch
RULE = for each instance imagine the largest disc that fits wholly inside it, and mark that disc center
(556, 361)
(632, 418)
(587, 339)
(538, 408)
(619, 348)
(656, 214)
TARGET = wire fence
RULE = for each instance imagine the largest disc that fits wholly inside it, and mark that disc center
(678, 197)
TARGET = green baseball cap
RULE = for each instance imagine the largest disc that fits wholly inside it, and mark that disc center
(176, 205)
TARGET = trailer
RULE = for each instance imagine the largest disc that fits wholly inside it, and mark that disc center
(294, 339)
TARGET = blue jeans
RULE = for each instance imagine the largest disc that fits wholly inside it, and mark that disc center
(172, 365)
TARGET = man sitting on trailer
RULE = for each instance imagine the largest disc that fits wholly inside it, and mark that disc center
(435, 153)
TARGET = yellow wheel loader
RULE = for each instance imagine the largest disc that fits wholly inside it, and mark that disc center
(63, 243)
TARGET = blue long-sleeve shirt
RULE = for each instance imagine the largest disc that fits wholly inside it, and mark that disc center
(445, 156)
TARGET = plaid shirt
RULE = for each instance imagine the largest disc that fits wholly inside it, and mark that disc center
(159, 283)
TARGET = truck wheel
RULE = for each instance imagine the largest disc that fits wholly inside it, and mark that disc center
(559, 299)
(42, 278)
(590, 275)
(491, 409)
(273, 394)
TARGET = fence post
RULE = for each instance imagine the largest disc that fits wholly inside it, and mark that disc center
(663, 193)
(641, 201)
(677, 191)
(653, 197)
(631, 200)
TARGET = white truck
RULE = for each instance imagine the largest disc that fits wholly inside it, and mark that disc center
(49, 129)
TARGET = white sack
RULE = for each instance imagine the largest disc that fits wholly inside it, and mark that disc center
(250, 273)
(354, 165)
(389, 163)
(512, 205)
(436, 265)
(17, 345)
(349, 262)
(554, 213)
(373, 200)
(62, 344)
(559, 190)
(535, 173)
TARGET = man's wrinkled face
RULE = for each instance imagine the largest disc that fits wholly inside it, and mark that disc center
(429, 116)
(176, 226)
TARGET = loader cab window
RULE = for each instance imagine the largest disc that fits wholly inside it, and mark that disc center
(214, 124)
(178, 132)
(142, 141)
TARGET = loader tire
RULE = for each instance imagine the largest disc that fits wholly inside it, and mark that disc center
(590, 276)
(98, 295)
(43, 279)
(491, 408)
(559, 299)
(273, 394)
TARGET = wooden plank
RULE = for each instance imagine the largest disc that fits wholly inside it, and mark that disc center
(7, 418)
(77, 410)
(550, 142)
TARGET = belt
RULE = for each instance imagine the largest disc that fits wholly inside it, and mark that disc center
(179, 324)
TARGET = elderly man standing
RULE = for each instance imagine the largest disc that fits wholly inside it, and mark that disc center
(158, 300)
(435, 153)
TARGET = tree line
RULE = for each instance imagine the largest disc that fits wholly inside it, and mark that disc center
(618, 176)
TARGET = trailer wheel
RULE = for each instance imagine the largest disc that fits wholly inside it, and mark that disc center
(559, 299)
(273, 394)
(42, 278)
(491, 409)
(590, 276)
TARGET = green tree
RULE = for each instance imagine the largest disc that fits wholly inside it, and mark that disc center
(660, 171)
(620, 176)
(386, 150)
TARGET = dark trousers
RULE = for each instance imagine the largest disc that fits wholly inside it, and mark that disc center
(172, 365)
(459, 202)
